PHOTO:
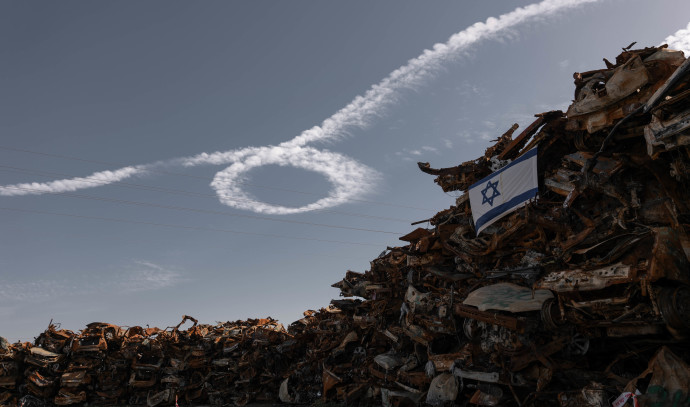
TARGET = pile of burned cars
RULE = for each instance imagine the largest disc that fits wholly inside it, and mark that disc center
(561, 276)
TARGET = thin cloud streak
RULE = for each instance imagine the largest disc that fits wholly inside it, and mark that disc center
(138, 277)
(350, 179)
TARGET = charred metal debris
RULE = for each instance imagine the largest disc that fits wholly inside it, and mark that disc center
(580, 297)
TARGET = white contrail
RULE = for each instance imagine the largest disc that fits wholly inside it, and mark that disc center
(680, 40)
(349, 178)
(96, 179)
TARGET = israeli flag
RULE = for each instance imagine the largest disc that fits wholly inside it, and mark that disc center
(505, 190)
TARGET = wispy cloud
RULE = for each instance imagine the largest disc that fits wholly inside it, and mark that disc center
(489, 124)
(470, 90)
(349, 178)
(486, 136)
(467, 136)
(36, 290)
(411, 155)
(147, 276)
(680, 40)
(136, 277)
(406, 155)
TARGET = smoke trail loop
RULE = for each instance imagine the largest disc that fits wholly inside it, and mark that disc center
(348, 177)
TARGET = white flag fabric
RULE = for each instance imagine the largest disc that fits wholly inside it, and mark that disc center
(504, 191)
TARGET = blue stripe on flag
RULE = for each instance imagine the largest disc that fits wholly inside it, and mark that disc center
(490, 215)
(531, 153)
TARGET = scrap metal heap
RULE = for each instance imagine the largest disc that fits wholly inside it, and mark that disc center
(574, 299)
(232, 362)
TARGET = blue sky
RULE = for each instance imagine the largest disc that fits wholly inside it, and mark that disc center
(90, 87)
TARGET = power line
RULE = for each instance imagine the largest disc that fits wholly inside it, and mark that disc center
(178, 191)
(206, 211)
(118, 220)
(67, 157)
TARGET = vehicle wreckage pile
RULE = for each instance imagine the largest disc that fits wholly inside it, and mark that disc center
(577, 298)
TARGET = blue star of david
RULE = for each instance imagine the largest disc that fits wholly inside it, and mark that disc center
(494, 193)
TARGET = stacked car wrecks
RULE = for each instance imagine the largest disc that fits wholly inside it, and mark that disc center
(109, 365)
(580, 297)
